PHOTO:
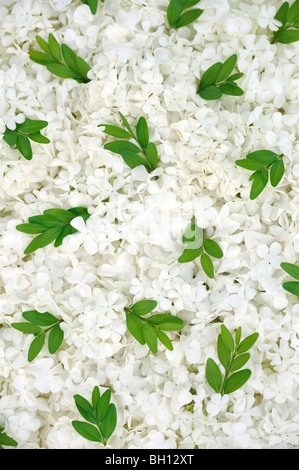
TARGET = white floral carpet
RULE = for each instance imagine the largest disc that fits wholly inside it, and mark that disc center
(129, 247)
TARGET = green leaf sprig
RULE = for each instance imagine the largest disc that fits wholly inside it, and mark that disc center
(93, 5)
(29, 129)
(5, 440)
(260, 162)
(100, 413)
(233, 356)
(217, 80)
(39, 324)
(197, 245)
(128, 150)
(289, 17)
(148, 330)
(54, 55)
(54, 224)
(175, 16)
(292, 270)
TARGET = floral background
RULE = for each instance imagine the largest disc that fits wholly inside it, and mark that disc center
(129, 247)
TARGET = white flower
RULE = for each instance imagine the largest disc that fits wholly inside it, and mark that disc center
(266, 18)
(238, 432)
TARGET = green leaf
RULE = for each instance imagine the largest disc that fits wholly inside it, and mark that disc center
(142, 132)
(151, 153)
(32, 229)
(10, 137)
(36, 346)
(67, 230)
(42, 240)
(190, 3)
(291, 269)
(61, 70)
(40, 58)
(82, 68)
(79, 211)
(267, 157)
(212, 248)
(223, 353)
(61, 215)
(239, 361)
(40, 319)
(230, 88)
(193, 237)
(27, 328)
(236, 380)
(276, 172)
(150, 336)
(55, 339)
(54, 48)
(69, 57)
(93, 5)
(85, 409)
(43, 44)
(133, 160)
(292, 287)
(226, 68)
(5, 440)
(164, 340)
(213, 375)
(288, 36)
(259, 184)
(30, 126)
(127, 125)
(207, 265)
(135, 325)
(115, 131)
(293, 12)
(174, 11)
(88, 431)
(166, 322)
(103, 405)
(43, 220)
(227, 338)
(238, 336)
(210, 93)
(144, 306)
(188, 17)
(38, 137)
(249, 164)
(235, 76)
(281, 14)
(120, 145)
(247, 343)
(95, 396)
(189, 255)
(210, 75)
(109, 422)
(24, 146)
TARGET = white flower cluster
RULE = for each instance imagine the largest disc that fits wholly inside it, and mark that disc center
(128, 249)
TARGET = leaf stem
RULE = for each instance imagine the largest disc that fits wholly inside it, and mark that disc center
(227, 371)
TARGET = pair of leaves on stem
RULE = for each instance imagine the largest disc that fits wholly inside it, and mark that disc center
(62, 61)
(196, 246)
(39, 324)
(93, 5)
(175, 16)
(217, 80)
(99, 412)
(148, 330)
(289, 17)
(292, 270)
(233, 356)
(5, 440)
(260, 162)
(29, 129)
(128, 150)
(54, 224)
